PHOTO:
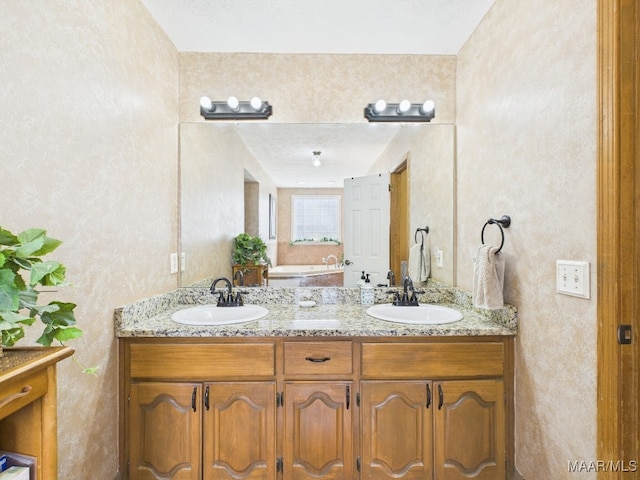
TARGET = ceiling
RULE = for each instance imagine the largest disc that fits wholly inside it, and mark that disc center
(285, 151)
(318, 26)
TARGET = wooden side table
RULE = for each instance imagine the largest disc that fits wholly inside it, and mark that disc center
(28, 415)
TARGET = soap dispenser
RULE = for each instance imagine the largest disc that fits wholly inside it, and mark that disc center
(360, 282)
(367, 293)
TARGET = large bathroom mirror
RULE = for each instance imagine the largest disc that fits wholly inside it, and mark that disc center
(241, 177)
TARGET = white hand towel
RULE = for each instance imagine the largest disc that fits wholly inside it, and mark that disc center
(488, 278)
(419, 263)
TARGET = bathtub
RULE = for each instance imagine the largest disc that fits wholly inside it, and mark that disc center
(306, 276)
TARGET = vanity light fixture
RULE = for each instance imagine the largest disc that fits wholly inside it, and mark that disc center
(404, 111)
(234, 109)
(316, 159)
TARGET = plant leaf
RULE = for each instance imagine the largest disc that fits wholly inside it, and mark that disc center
(7, 238)
(48, 273)
(28, 297)
(62, 317)
(31, 241)
(10, 319)
(11, 336)
(48, 246)
(67, 333)
(9, 292)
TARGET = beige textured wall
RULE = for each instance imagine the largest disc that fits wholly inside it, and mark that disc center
(213, 159)
(308, 88)
(89, 145)
(526, 128)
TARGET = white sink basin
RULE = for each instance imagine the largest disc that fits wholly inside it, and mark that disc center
(214, 315)
(424, 314)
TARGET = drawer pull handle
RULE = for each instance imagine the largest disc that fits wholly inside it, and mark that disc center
(428, 396)
(6, 400)
(206, 398)
(317, 359)
(193, 398)
(440, 397)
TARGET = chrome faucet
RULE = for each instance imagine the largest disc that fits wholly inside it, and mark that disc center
(229, 300)
(325, 260)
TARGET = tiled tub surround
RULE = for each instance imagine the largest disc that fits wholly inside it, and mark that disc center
(337, 313)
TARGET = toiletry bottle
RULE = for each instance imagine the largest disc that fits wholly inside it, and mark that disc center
(360, 282)
(367, 292)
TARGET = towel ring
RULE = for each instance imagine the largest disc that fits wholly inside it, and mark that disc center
(504, 222)
(419, 230)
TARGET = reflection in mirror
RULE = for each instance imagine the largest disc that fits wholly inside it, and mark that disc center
(229, 171)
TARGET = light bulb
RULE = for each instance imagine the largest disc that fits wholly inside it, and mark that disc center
(379, 106)
(233, 103)
(404, 107)
(316, 159)
(207, 104)
(256, 104)
(427, 107)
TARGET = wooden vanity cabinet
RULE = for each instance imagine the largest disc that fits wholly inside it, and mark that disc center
(199, 410)
(426, 414)
(303, 408)
(318, 418)
(210, 431)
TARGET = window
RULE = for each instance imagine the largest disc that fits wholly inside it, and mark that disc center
(315, 218)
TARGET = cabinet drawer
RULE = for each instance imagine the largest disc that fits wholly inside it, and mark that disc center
(17, 393)
(202, 362)
(432, 360)
(318, 358)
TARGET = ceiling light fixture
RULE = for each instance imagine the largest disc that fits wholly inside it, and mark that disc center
(404, 111)
(234, 109)
(316, 159)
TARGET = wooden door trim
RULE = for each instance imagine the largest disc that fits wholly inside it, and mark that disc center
(617, 231)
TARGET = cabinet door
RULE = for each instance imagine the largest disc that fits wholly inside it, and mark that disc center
(165, 431)
(469, 430)
(239, 426)
(396, 430)
(318, 440)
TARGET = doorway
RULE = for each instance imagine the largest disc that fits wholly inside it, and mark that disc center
(251, 205)
(618, 235)
(399, 221)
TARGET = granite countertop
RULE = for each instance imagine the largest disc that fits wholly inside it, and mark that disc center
(337, 313)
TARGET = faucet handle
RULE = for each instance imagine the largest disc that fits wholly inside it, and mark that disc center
(221, 297)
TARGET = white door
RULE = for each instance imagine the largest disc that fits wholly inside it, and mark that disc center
(366, 228)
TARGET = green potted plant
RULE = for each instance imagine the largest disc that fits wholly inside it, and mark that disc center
(248, 250)
(22, 272)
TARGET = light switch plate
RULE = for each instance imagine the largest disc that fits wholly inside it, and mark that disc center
(174, 263)
(572, 278)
